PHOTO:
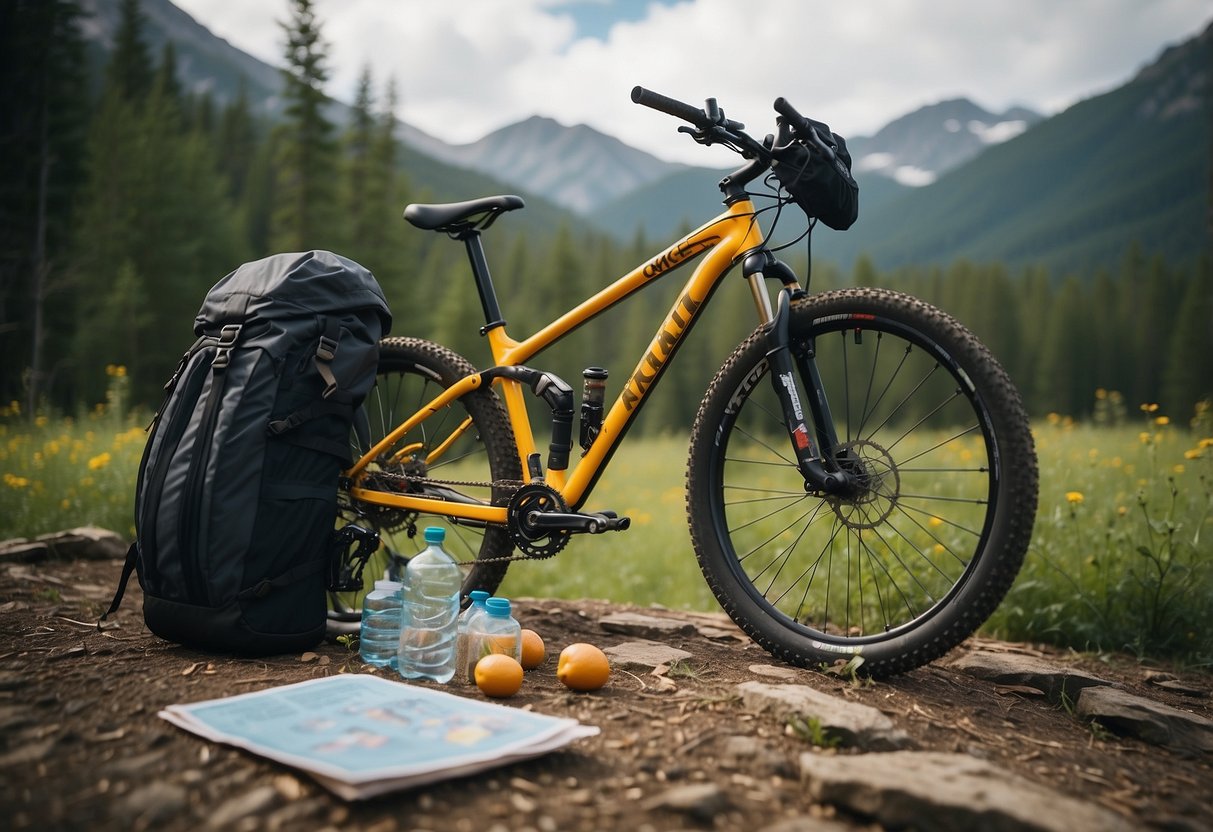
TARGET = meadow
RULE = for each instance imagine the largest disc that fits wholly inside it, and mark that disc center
(1121, 557)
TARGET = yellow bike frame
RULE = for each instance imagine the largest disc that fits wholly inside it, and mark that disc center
(724, 240)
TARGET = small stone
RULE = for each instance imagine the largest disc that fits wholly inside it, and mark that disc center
(702, 801)
(154, 803)
(644, 655)
(645, 626)
(851, 723)
(241, 806)
(771, 671)
(132, 766)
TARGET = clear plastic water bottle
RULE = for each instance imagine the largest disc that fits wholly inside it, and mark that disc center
(463, 663)
(430, 616)
(379, 635)
(494, 632)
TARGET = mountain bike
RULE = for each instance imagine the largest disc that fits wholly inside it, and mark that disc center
(861, 480)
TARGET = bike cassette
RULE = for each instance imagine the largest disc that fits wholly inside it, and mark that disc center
(531, 538)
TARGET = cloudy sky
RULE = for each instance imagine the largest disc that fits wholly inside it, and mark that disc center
(466, 67)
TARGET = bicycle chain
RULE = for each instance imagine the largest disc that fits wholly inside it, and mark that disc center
(511, 487)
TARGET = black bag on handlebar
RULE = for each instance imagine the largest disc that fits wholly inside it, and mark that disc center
(823, 187)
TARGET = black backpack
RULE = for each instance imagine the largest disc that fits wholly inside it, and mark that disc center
(237, 493)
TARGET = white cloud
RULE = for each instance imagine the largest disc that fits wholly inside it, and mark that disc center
(469, 67)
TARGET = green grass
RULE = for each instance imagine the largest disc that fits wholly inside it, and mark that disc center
(1121, 558)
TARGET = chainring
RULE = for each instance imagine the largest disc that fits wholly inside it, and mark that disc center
(533, 542)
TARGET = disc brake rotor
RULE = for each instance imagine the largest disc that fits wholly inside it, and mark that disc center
(878, 485)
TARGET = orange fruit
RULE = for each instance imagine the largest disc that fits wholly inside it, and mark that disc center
(533, 650)
(498, 675)
(583, 667)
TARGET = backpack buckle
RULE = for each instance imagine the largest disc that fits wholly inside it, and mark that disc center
(327, 350)
(227, 339)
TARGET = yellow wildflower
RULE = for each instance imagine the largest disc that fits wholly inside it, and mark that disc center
(1207, 442)
(934, 522)
(1195, 453)
(99, 461)
(14, 481)
(1162, 420)
(1144, 437)
(41, 421)
(1149, 408)
(1178, 469)
(1121, 511)
(1074, 497)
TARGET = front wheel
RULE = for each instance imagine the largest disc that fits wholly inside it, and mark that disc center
(921, 550)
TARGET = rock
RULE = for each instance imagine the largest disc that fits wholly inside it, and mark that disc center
(645, 626)
(771, 671)
(644, 655)
(251, 802)
(854, 724)
(154, 803)
(20, 550)
(85, 543)
(956, 792)
(702, 801)
(1146, 720)
(1012, 670)
(131, 766)
(751, 755)
(32, 752)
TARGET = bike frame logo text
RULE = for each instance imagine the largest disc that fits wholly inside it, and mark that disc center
(675, 256)
(659, 353)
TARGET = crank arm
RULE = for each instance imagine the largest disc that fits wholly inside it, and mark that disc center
(605, 521)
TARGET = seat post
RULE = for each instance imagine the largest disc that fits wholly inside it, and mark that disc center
(484, 281)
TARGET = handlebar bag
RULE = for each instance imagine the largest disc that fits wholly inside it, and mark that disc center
(822, 187)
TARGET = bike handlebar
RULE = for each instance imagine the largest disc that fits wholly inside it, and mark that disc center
(671, 107)
(715, 125)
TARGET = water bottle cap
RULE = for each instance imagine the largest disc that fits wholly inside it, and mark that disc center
(498, 606)
(435, 534)
(390, 586)
(478, 596)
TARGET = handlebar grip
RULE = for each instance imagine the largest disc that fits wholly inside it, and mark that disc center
(798, 122)
(670, 106)
(805, 128)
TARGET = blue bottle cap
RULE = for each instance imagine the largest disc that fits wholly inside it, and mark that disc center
(498, 606)
(435, 534)
(478, 596)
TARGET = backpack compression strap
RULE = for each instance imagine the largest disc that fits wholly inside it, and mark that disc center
(132, 557)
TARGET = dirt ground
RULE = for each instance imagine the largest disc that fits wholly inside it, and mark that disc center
(82, 746)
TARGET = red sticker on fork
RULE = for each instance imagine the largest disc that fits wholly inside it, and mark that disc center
(801, 437)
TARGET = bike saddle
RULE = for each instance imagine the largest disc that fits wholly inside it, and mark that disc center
(456, 217)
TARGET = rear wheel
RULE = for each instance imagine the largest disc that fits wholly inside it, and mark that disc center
(464, 452)
(924, 547)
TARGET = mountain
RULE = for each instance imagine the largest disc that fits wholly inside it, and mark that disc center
(577, 167)
(917, 148)
(207, 64)
(1075, 191)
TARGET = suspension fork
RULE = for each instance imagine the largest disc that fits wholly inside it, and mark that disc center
(814, 459)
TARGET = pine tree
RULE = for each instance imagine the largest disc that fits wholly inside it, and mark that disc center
(129, 71)
(46, 106)
(306, 163)
(1189, 377)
